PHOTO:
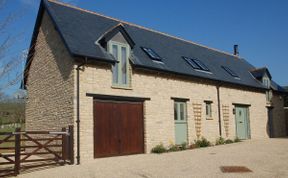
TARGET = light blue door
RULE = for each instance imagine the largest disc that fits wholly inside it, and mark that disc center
(180, 120)
(242, 122)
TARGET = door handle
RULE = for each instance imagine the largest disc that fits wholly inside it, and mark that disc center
(240, 122)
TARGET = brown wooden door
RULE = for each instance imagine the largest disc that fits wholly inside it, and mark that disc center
(118, 128)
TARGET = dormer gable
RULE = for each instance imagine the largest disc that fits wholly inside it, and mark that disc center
(118, 34)
(263, 75)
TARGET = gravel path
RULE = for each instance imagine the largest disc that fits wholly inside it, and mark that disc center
(266, 158)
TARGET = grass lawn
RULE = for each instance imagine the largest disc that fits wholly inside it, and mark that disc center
(8, 144)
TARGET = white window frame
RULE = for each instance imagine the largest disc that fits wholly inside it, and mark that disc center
(208, 110)
(120, 74)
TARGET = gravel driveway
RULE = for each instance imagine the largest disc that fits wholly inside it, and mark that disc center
(266, 158)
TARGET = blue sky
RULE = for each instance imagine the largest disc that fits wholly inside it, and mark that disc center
(259, 27)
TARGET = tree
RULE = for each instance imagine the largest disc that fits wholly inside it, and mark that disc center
(10, 65)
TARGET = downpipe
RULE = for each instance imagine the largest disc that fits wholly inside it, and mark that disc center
(78, 68)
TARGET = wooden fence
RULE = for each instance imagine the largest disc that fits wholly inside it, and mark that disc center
(41, 147)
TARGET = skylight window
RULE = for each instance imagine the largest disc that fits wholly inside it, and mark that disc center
(231, 72)
(201, 65)
(152, 54)
(196, 64)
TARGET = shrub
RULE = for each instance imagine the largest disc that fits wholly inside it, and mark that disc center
(173, 148)
(159, 149)
(220, 141)
(228, 141)
(237, 140)
(183, 146)
(203, 142)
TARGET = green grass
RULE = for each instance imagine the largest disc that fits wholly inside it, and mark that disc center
(8, 144)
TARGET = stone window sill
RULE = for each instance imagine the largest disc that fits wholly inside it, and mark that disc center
(121, 87)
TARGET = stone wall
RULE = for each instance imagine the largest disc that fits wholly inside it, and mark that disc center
(159, 111)
(50, 83)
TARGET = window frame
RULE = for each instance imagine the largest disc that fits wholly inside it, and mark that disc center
(230, 72)
(208, 112)
(177, 109)
(196, 64)
(266, 79)
(119, 73)
(152, 54)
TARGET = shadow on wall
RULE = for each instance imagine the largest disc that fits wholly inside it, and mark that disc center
(59, 51)
(269, 125)
(286, 118)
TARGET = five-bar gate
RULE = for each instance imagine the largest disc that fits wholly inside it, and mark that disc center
(22, 150)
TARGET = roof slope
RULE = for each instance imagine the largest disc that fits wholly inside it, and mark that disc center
(80, 30)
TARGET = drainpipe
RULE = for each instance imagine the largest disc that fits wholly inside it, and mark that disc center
(78, 109)
(219, 109)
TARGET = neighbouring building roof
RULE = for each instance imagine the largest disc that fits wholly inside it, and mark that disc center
(81, 31)
(260, 72)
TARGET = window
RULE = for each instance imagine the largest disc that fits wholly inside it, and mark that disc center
(196, 64)
(231, 72)
(180, 111)
(266, 82)
(152, 54)
(208, 110)
(120, 69)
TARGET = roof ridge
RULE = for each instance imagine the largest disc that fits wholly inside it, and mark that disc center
(260, 68)
(139, 26)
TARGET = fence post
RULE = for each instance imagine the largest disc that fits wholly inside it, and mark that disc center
(71, 144)
(64, 146)
(17, 151)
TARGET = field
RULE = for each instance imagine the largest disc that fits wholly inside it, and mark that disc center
(8, 144)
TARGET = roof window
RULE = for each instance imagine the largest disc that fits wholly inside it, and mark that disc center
(152, 54)
(196, 64)
(231, 72)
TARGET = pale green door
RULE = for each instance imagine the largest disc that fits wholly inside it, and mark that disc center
(242, 122)
(180, 120)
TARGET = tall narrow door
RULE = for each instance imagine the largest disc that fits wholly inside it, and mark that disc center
(180, 120)
(242, 122)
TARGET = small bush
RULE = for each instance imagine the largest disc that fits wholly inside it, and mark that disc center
(220, 141)
(173, 148)
(228, 141)
(159, 149)
(237, 140)
(203, 142)
(183, 146)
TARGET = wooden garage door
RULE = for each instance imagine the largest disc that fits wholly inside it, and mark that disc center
(118, 128)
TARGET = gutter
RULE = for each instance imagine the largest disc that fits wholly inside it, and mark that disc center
(219, 109)
(78, 68)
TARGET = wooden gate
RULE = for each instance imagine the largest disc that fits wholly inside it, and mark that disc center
(118, 128)
(35, 149)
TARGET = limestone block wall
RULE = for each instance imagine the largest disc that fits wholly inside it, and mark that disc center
(50, 83)
(159, 111)
(257, 110)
